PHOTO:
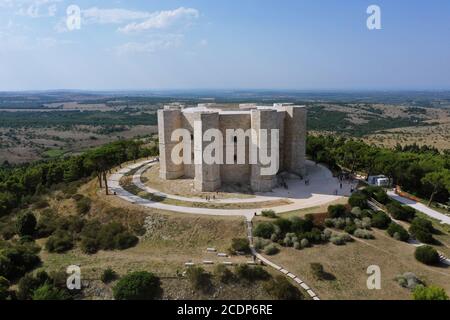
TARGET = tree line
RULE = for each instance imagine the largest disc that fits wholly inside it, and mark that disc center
(420, 171)
(19, 184)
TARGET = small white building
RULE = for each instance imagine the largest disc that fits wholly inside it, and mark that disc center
(379, 181)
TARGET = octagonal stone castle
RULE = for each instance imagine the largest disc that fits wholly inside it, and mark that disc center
(289, 119)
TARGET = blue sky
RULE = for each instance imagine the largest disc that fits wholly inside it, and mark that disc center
(224, 44)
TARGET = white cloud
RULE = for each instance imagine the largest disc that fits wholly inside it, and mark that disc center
(203, 42)
(163, 20)
(37, 8)
(115, 15)
(156, 43)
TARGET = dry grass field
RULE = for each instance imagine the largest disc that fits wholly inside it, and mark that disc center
(170, 240)
(19, 145)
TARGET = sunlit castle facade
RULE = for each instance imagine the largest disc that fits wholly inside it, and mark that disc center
(285, 142)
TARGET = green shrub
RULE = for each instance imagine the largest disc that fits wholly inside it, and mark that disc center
(125, 240)
(245, 272)
(50, 292)
(427, 255)
(429, 293)
(240, 245)
(199, 278)
(422, 230)
(399, 212)
(358, 199)
(16, 260)
(264, 230)
(260, 243)
(398, 232)
(29, 283)
(26, 224)
(299, 225)
(317, 270)
(223, 274)
(280, 288)
(381, 197)
(380, 220)
(284, 225)
(61, 241)
(106, 237)
(269, 214)
(90, 245)
(108, 275)
(336, 211)
(4, 288)
(363, 234)
(271, 250)
(350, 229)
(140, 285)
(46, 225)
(304, 243)
(83, 206)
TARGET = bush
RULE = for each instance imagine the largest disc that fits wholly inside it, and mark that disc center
(61, 241)
(108, 276)
(427, 255)
(271, 250)
(240, 245)
(4, 287)
(363, 234)
(399, 212)
(408, 280)
(381, 197)
(299, 225)
(223, 274)
(17, 260)
(89, 245)
(50, 292)
(264, 230)
(358, 199)
(125, 240)
(317, 270)
(304, 243)
(26, 224)
(422, 230)
(245, 272)
(106, 237)
(398, 232)
(140, 285)
(46, 225)
(199, 278)
(83, 205)
(260, 243)
(356, 211)
(336, 211)
(29, 283)
(280, 288)
(350, 229)
(429, 293)
(380, 220)
(269, 214)
(284, 225)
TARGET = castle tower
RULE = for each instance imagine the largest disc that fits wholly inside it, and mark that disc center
(169, 119)
(295, 139)
(207, 176)
(263, 119)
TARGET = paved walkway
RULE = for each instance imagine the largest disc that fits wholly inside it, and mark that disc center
(321, 190)
(421, 207)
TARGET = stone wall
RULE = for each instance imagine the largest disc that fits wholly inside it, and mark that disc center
(289, 119)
